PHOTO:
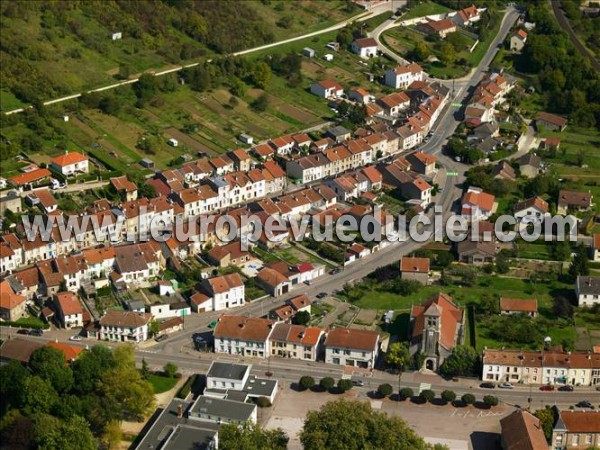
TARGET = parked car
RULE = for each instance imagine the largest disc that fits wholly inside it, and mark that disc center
(505, 385)
(37, 332)
(23, 331)
(334, 271)
(76, 337)
(566, 388)
(547, 387)
(487, 385)
(322, 295)
(584, 404)
(358, 383)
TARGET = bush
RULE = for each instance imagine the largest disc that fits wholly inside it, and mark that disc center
(170, 369)
(26, 322)
(468, 399)
(263, 402)
(490, 400)
(306, 382)
(406, 393)
(185, 390)
(427, 395)
(344, 385)
(385, 389)
(448, 396)
(327, 383)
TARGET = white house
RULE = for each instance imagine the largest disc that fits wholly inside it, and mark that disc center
(467, 16)
(70, 163)
(587, 290)
(296, 341)
(327, 89)
(243, 336)
(477, 205)
(365, 47)
(124, 326)
(69, 310)
(402, 76)
(218, 293)
(595, 248)
(352, 347)
(226, 376)
(532, 210)
(161, 311)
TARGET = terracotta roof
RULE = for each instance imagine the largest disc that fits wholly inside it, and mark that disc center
(408, 264)
(233, 249)
(125, 319)
(299, 302)
(522, 431)
(567, 198)
(366, 42)
(225, 283)
(551, 118)
(123, 184)
(275, 169)
(441, 25)
(271, 277)
(533, 201)
(299, 334)
(409, 68)
(68, 159)
(395, 99)
(483, 200)
(30, 177)
(581, 421)
(198, 298)
(329, 84)
(263, 150)
(423, 157)
(243, 328)
(468, 13)
(18, 349)
(597, 241)
(352, 338)
(521, 34)
(284, 312)
(170, 323)
(68, 303)
(518, 304)
(28, 277)
(8, 299)
(99, 255)
(450, 318)
(71, 352)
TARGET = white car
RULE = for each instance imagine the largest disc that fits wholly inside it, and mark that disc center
(505, 386)
(76, 338)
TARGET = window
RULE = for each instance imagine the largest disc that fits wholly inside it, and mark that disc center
(575, 440)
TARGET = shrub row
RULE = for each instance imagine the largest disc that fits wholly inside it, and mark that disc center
(185, 390)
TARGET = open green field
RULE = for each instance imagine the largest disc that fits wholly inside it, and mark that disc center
(162, 384)
(425, 8)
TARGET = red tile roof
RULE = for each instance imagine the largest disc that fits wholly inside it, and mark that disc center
(525, 305)
(581, 421)
(408, 264)
(68, 159)
(352, 338)
(243, 328)
(8, 299)
(71, 352)
(30, 177)
(450, 318)
(68, 303)
(483, 200)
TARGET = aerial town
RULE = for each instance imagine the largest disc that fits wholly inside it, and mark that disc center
(300, 225)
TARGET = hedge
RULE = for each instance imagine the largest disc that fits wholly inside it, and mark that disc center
(185, 390)
(26, 323)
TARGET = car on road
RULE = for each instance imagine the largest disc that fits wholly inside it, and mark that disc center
(547, 387)
(505, 385)
(161, 338)
(566, 388)
(334, 271)
(322, 295)
(36, 332)
(76, 337)
(487, 385)
(584, 404)
(358, 383)
(23, 331)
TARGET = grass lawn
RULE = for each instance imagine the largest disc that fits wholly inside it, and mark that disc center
(536, 250)
(425, 8)
(162, 384)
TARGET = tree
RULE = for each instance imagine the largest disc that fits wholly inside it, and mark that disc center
(74, 433)
(420, 52)
(562, 307)
(89, 368)
(37, 396)
(260, 75)
(427, 395)
(561, 250)
(463, 361)
(263, 402)
(502, 265)
(146, 88)
(306, 382)
(385, 389)
(170, 369)
(490, 400)
(153, 328)
(112, 435)
(581, 263)
(448, 396)
(547, 420)
(468, 399)
(406, 393)
(344, 385)
(261, 103)
(397, 355)
(447, 53)
(12, 377)
(580, 156)
(353, 425)
(251, 437)
(327, 383)
(145, 370)
(301, 318)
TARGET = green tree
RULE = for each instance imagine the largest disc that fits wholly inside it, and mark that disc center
(146, 88)
(12, 378)
(170, 369)
(263, 402)
(581, 263)
(502, 264)
(397, 355)
(427, 395)
(562, 307)
(327, 383)
(547, 420)
(447, 53)
(353, 425)
(306, 382)
(251, 437)
(260, 75)
(112, 435)
(145, 370)
(463, 361)
(73, 433)
(448, 396)
(406, 393)
(153, 328)
(261, 103)
(302, 318)
(385, 389)
(468, 399)
(490, 400)
(89, 368)
(37, 396)
(344, 385)
(49, 364)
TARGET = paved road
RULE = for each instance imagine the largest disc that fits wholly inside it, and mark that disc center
(566, 26)
(376, 10)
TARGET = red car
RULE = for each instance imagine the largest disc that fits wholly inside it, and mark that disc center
(547, 387)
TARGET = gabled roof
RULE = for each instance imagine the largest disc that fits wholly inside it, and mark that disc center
(522, 431)
(298, 334)
(69, 351)
(568, 198)
(551, 118)
(8, 299)
(525, 305)
(225, 283)
(329, 84)
(414, 265)
(365, 42)
(123, 184)
(243, 328)
(408, 68)
(588, 285)
(596, 243)
(271, 277)
(581, 421)
(18, 349)
(352, 338)
(536, 202)
(483, 200)
(68, 159)
(68, 303)
(299, 302)
(125, 319)
(30, 177)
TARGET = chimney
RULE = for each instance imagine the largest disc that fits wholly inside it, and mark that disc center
(179, 411)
